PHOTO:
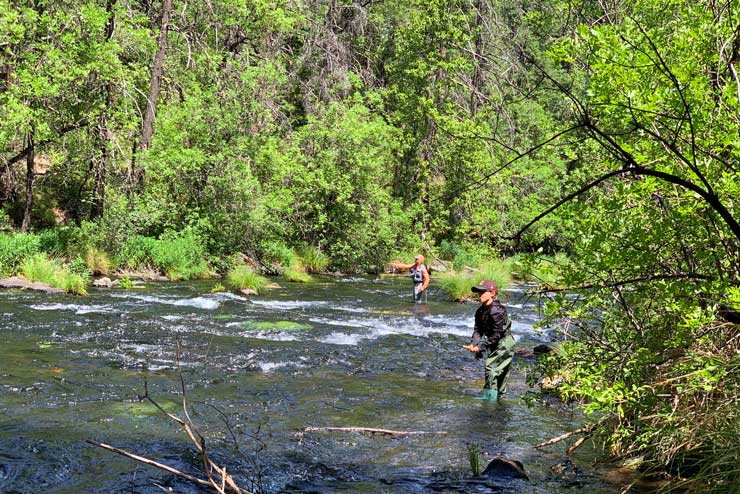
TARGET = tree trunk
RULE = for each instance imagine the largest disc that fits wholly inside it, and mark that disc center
(147, 128)
(101, 163)
(151, 104)
(26, 225)
(476, 91)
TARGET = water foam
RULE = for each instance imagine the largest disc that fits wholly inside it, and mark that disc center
(289, 304)
(207, 303)
(78, 309)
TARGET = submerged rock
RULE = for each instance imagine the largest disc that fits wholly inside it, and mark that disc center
(541, 349)
(22, 283)
(503, 467)
(106, 282)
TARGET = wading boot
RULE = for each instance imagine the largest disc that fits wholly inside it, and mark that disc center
(489, 395)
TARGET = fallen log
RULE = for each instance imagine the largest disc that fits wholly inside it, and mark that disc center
(369, 430)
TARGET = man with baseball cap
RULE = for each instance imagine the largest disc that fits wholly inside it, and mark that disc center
(492, 336)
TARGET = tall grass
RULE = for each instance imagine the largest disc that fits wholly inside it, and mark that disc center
(98, 262)
(457, 284)
(14, 249)
(475, 458)
(39, 267)
(176, 255)
(313, 259)
(242, 276)
(296, 271)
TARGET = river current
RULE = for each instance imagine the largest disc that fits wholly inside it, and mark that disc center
(337, 352)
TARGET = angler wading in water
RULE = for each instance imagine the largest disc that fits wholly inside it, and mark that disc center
(419, 276)
(492, 337)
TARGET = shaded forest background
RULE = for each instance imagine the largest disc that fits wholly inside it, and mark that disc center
(608, 130)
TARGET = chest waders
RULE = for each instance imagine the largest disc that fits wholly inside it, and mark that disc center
(418, 279)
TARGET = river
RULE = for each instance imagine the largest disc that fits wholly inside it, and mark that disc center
(335, 352)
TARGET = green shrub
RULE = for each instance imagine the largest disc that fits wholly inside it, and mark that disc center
(181, 255)
(243, 276)
(276, 254)
(464, 255)
(313, 259)
(136, 252)
(14, 249)
(126, 283)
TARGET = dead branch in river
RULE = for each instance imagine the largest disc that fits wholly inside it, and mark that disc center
(369, 430)
(217, 477)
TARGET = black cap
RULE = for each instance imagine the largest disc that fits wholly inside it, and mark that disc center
(485, 286)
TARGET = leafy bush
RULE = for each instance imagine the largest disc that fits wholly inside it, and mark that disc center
(464, 255)
(276, 255)
(243, 276)
(542, 269)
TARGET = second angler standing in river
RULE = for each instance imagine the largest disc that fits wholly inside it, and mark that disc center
(419, 275)
(492, 337)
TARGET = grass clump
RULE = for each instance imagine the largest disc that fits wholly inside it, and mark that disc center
(14, 249)
(457, 284)
(178, 255)
(39, 267)
(242, 276)
(313, 259)
(296, 271)
(475, 458)
(98, 262)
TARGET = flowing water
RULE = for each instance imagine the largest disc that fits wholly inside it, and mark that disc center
(338, 352)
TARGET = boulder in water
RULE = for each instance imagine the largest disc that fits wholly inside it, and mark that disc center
(541, 350)
(105, 282)
(505, 468)
(247, 292)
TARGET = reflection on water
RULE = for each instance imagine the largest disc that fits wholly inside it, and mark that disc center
(339, 352)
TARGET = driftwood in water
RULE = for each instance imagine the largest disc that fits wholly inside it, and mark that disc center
(153, 463)
(216, 477)
(586, 431)
(368, 430)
